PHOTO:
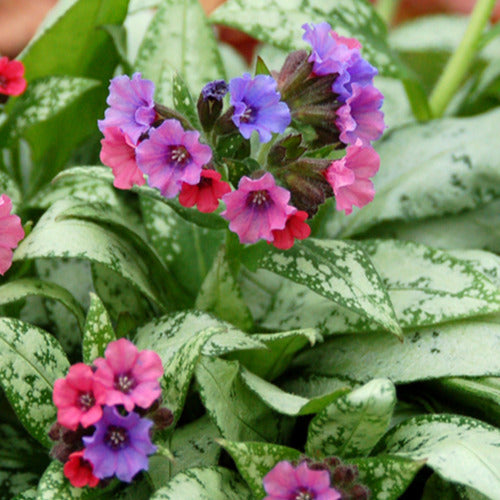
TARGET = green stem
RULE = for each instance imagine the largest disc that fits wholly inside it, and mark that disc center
(264, 151)
(461, 60)
(387, 10)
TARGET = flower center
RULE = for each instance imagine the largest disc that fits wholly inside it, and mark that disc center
(178, 155)
(116, 437)
(248, 115)
(86, 401)
(259, 199)
(125, 382)
(303, 494)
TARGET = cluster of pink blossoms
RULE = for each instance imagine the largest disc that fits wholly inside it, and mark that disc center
(329, 89)
(101, 428)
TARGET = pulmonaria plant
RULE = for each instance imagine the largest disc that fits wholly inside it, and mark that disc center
(283, 126)
(107, 414)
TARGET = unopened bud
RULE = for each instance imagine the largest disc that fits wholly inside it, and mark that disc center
(359, 492)
(210, 103)
(61, 452)
(162, 418)
(56, 431)
(294, 73)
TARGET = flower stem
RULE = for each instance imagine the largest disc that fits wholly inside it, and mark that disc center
(460, 61)
(387, 10)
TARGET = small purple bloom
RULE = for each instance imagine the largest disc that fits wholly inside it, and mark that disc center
(215, 90)
(119, 446)
(172, 156)
(360, 117)
(284, 482)
(257, 208)
(257, 106)
(131, 106)
(358, 71)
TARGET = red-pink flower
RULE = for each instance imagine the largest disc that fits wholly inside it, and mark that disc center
(12, 81)
(11, 233)
(79, 471)
(206, 194)
(350, 176)
(284, 482)
(75, 398)
(118, 152)
(128, 377)
(295, 228)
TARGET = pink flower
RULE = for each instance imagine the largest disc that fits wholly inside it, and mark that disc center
(257, 208)
(172, 156)
(128, 377)
(206, 194)
(79, 471)
(350, 176)
(360, 117)
(12, 80)
(118, 152)
(75, 399)
(284, 482)
(11, 233)
(295, 228)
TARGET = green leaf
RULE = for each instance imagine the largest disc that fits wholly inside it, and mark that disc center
(98, 332)
(204, 483)
(183, 101)
(43, 99)
(459, 449)
(279, 22)
(30, 362)
(387, 476)
(455, 349)
(30, 494)
(167, 334)
(485, 263)
(261, 68)
(220, 294)
(351, 425)
(179, 39)
(440, 167)
(255, 460)
(236, 411)
(55, 237)
(22, 288)
(339, 271)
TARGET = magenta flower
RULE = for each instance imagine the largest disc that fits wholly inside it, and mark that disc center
(131, 106)
(172, 156)
(257, 106)
(12, 81)
(127, 377)
(75, 399)
(350, 177)
(118, 152)
(360, 117)
(295, 229)
(119, 446)
(11, 233)
(257, 208)
(284, 482)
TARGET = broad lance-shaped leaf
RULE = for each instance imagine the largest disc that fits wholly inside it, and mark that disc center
(167, 334)
(204, 483)
(54, 238)
(337, 270)
(279, 22)
(179, 39)
(459, 449)
(183, 101)
(450, 350)
(440, 167)
(42, 100)
(98, 332)
(255, 460)
(351, 425)
(25, 287)
(30, 362)
(426, 286)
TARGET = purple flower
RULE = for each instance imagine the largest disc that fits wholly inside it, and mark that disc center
(119, 446)
(131, 106)
(360, 117)
(284, 482)
(257, 106)
(257, 208)
(172, 156)
(215, 90)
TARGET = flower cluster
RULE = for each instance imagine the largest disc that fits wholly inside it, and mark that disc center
(12, 81)
(11, 233)
(102, 428)
(308, 480)
(322, 98)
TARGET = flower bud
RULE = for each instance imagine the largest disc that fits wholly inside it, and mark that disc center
(286, 150)
(162, 418)
(210, 103)
(295, 72)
